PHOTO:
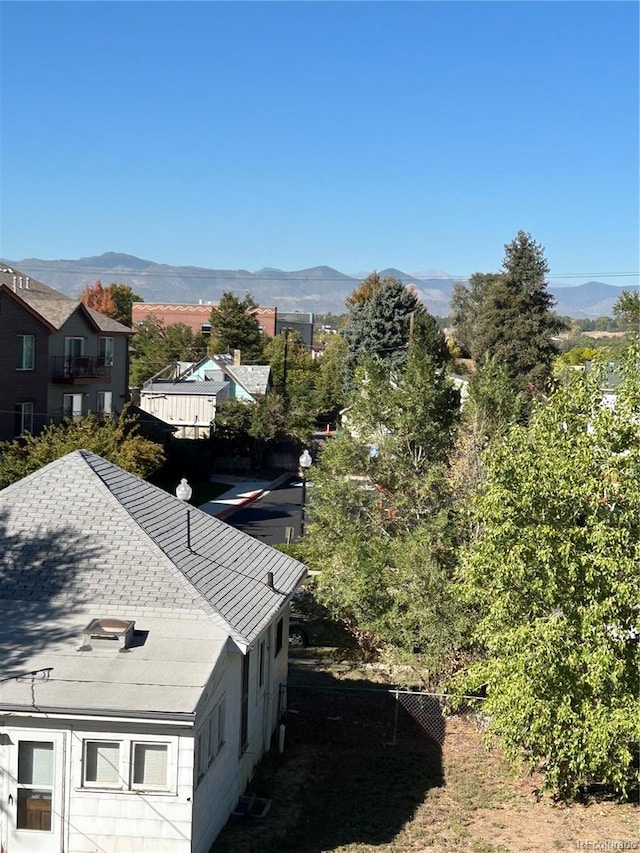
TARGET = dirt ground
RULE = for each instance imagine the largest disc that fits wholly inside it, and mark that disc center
(357, 778)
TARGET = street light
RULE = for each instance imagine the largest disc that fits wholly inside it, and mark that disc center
(184, 490)
(305, 463)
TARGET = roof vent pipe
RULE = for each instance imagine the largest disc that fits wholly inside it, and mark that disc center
(26, 282)
(270, 580)
(20, 282)
(15, 279)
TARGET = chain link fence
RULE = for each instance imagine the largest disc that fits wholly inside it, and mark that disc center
(373, 715)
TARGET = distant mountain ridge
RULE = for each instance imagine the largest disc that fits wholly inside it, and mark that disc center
(319, 289)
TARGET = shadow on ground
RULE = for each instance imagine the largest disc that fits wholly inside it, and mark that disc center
(357, 764)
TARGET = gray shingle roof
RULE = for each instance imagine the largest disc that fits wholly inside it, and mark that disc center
(53, 306)
(254, 378)
(86, 531)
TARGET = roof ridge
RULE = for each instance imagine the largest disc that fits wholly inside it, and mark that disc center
(183, 580)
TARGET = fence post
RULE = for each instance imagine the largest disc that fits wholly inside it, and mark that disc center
(394, 742)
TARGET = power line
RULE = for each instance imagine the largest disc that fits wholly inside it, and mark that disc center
(293, 277)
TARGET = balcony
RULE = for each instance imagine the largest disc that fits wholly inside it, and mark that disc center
(81, 369)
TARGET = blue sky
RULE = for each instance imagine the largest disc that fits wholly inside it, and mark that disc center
(362, 135)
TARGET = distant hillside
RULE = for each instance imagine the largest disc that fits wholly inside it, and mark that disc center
(319, 289)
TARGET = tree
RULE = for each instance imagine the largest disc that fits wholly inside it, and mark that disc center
(384, 573)
(99, 298)
(293, 370)
(509, 316)
(115, 440)
(330, 394)
(552, 572)
(365, 290)
(114, 301)
(627, 309)
(123, 298)
(466, 305)
(234, 326)
(379, 327)
(156, 346)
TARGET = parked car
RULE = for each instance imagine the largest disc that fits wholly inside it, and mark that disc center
(309, 621)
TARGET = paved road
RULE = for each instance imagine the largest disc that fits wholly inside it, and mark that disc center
(267, 518)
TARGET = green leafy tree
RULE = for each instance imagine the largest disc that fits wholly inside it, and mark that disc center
(627, 309)
(552, 572)
(330, 393)
(384, 572)
(234, 326)
(301, 370)
(466, 304)
(156, 346)
(123, 298)
(115, 440)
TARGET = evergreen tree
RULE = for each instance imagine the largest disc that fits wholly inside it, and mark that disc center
(509, 316)
(379, 327)
(234, 326)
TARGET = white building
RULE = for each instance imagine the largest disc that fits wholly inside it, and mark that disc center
(144, 658)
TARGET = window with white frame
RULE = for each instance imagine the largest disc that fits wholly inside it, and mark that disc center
(23, 418)
(126, 765)
(149, 765)
(102, 764)
(105, 350)
(26, 352)
(105, 399)
(72, 406)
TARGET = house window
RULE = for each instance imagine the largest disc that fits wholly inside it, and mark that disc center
(203, 752)
(23, 418)
(102, 764)
(104, 402)
(244, 702)
(105, 350)
(106, 765)
(73, 349)
(72, 406)
(261, 663)
(26, 352)
(279, 635)
(149, 765)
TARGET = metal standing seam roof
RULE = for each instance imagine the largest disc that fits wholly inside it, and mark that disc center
(120, 540)
(204, 387)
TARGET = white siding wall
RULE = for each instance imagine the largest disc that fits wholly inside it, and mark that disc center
(229, 773)
(132, 821)
(181, 408)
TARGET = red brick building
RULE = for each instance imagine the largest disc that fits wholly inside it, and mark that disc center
(195, 316)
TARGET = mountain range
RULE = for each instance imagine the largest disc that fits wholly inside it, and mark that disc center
(320, 289)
